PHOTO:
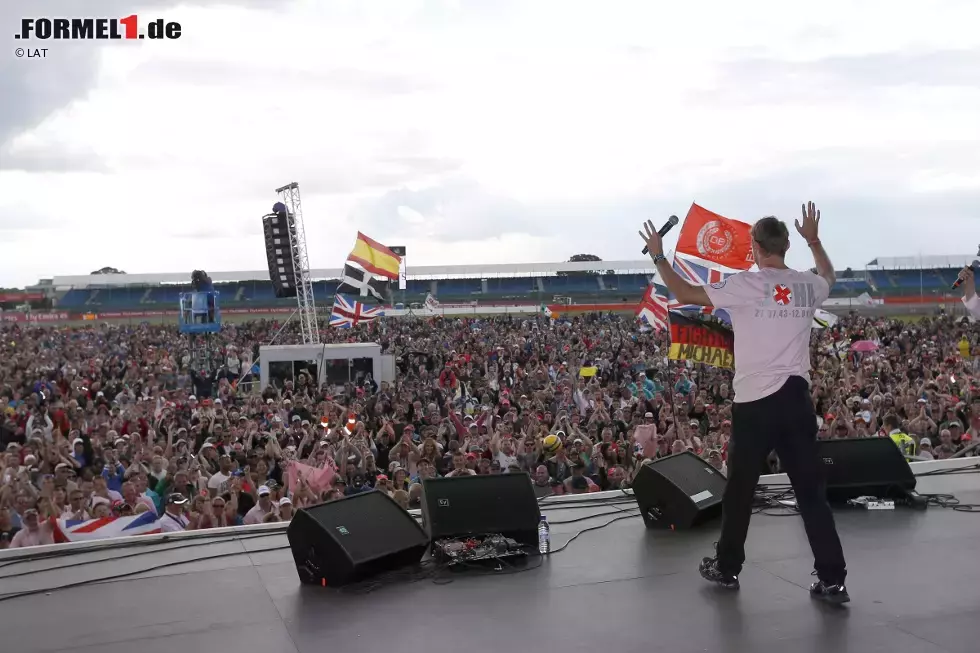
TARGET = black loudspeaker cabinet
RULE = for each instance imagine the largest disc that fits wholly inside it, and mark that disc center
(476, 505)
(276, 228)
(678, 492)
(865, 467)
(344, 541)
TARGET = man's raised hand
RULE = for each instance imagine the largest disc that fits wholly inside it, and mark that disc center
(811, 223)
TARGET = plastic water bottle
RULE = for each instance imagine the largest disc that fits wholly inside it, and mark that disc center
(544, 536)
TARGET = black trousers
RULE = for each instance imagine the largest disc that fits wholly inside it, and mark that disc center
(784, 421)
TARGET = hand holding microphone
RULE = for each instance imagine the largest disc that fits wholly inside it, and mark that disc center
(654, 239)
(967, 277)
(967, 273)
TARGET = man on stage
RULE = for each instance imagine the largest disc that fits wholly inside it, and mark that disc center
(771, 311)
(970, 298)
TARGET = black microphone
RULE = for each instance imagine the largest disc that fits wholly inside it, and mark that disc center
(975, 265)
(671, 222)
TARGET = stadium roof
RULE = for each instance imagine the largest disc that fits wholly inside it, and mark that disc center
(922, 262)
(414, 272)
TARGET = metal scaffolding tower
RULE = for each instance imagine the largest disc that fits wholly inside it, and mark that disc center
(305, 304)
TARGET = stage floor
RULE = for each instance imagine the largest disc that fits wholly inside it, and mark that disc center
(914, 581)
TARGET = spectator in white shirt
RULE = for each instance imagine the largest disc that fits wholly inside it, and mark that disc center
(262, 508)
(174, 520)
(39, 423)
(218, 483)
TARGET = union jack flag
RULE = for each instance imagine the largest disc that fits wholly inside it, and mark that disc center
(653, 309)
(347, 313)
(699, 275)
(71, 530)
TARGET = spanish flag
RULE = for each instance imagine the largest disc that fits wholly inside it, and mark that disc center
(701, 342)
(375, 257)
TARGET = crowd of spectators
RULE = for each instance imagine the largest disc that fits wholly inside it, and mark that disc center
(113, 420)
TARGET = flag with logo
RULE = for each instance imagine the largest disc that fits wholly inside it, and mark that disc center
(717, 239)
(375, 258)
(653, 309)
(692, 339)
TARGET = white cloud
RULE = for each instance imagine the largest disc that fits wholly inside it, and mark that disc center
(518, 132)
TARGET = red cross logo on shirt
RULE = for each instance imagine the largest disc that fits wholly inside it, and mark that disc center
(782, 295)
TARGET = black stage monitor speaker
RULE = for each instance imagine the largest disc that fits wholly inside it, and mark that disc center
(865, 467)
(476, 505)
(278, 251)
(346, 540)
(678, 492)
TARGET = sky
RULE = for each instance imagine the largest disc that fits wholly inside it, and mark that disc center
(485, 131)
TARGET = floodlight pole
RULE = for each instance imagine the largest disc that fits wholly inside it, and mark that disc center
(305, 303)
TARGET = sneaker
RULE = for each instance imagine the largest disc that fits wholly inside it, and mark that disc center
(710, 572)
(833, 594)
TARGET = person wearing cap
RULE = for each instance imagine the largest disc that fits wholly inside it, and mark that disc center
(925, 449)
(174, 518)
(970, 298)
(78, 452)
(771, 311)
(285, 509)
(63, 476)
(265, 505)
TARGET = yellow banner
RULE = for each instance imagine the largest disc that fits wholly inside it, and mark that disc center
(714, 356)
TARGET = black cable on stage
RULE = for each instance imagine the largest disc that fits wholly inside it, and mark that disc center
(128, 574)
(581, 506)
(951, 471)
(949, 501)
(585, 499)
(589, 529)
(136, 554)
(587, 517)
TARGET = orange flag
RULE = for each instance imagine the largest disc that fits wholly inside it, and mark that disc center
(715, 238)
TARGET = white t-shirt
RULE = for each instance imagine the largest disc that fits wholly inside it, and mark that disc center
(256, 514)
(505, 460)
(772, 313)
(173, 523)
(218, 482)
(973, 305)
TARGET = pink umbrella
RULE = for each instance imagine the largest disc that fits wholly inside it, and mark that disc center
(864, 346)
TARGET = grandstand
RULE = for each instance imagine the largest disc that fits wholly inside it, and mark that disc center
(893, 280)
(509, 283)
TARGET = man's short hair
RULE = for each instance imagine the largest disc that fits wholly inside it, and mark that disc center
(771, 235)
